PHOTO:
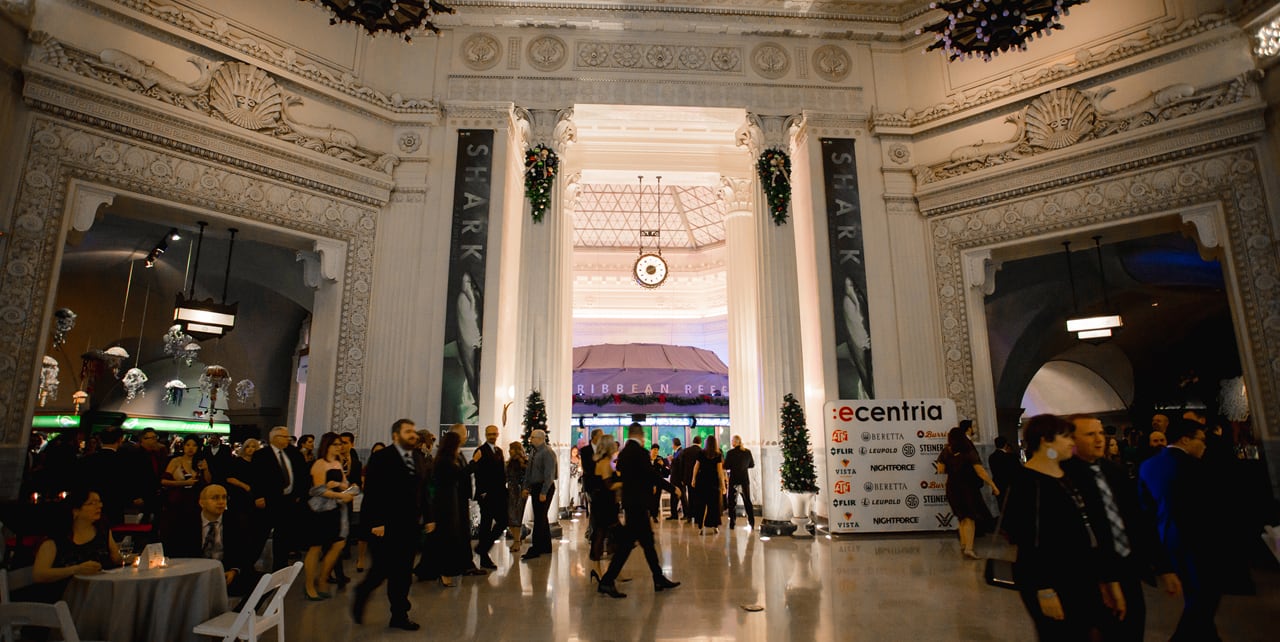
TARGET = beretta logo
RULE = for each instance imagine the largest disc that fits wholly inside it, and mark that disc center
(872, 487)
(908, 450)
(929, 434)
(868, 487)
(913, 501)
(882, 436)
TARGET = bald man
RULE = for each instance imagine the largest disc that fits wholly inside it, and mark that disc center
(281, 484)
(214, 533)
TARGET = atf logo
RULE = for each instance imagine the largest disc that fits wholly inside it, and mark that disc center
(843, 487)
(931, 485)
(912, 501)
(929, 434)
(839, 436)
(908, 450)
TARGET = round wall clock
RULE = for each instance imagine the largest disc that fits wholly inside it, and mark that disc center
(650, 270)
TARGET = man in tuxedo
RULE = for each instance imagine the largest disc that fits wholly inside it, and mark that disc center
(1004, 464)
(112, 472)
(394, 510)
(215, 534)
(677, 477)
(1174, 487)
(688, 457)
(491, 493)
(639, 481)
(219, 457)
(737, 463)
(281, 485)
(1126, 535)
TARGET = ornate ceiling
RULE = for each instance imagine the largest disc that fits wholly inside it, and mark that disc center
(609, 216)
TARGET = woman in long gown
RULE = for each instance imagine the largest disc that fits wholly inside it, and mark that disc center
(517, 464)
(602, 488)
(453, 523)
(709, 486)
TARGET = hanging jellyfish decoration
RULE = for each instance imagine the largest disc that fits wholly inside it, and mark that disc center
(114, 358)
(173, 392)
(244, 390)
(79, 398)
(135, 381)
(181, 346)
(48, 380)
(92, 365)
(215, 380)
(63, 320)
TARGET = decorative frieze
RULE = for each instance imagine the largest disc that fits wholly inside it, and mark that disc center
(770, 60)
(481, 51)
(547, 53)
(594, 54)
(832, 63)
(1065, 117)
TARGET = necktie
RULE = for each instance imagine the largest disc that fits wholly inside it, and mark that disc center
(1113, 513)
(284, 470)
(408, 462)
(210, 547)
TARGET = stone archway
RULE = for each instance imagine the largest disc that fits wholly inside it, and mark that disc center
(1222, 193)
(62, 157)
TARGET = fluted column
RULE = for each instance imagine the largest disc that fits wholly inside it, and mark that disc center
(778, 318)
(738, 195)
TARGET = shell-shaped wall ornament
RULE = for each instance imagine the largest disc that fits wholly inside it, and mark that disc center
(246, 96)
(1060, 118)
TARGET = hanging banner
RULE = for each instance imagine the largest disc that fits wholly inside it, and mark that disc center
(464, 304)
(880, 455)
(848, 269)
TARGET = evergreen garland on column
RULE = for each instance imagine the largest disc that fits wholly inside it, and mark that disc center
(535, 418)
(798, 475)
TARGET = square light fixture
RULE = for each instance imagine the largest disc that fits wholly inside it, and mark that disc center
(1099, 322)
(1094, 334)
(204, 319)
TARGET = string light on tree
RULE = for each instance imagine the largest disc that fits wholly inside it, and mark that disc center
(798, 474)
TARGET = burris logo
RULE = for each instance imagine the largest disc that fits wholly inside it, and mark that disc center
(929, 434)
(932, 485)
(908, 450)
(912, 501)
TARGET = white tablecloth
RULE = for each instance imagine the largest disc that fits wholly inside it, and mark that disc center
(132, 605)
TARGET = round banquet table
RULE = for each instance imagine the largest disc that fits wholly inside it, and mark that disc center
(127, 604)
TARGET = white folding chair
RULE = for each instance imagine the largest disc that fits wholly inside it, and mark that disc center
(247, 624)
(13, 580)
(15, 615)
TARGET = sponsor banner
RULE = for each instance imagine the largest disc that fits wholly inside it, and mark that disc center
(880, 455)
(848, 269)
(464, 305)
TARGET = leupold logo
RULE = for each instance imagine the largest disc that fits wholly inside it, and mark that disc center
(839, 436)
(908, 450)
(912, 501)
(868, 487)
(862, 450)
(842, 487)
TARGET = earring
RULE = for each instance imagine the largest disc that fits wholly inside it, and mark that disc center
(1051, 453)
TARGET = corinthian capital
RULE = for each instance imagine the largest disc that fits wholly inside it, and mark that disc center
(737, 193)
(551, 127)
(760, 132)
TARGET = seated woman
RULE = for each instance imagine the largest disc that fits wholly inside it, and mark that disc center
(84, 548)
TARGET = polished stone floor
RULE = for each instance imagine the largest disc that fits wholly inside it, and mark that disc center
(894, 587)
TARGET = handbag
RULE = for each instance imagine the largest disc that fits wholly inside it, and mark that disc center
(318, 503)
(1002, 573)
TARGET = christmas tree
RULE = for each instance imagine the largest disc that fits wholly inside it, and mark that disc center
(535, 418)
(798, 475)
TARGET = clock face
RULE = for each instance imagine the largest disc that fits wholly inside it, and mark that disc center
(650, 270)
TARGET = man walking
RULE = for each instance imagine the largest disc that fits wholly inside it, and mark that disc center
(1004, 464)
(688, 458)
(639, 481)
(540, 484)
(281, 487)
(738, 462)
(491, 493)
(393, 509)
(677, 477)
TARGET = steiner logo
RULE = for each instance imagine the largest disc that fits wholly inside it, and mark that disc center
(843, 487)
(912, 501)
(839, 436)
(908, 450)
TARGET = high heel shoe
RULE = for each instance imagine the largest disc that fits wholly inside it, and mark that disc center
(447, 583)
(594, 576)
(610, 590)
(319, 597)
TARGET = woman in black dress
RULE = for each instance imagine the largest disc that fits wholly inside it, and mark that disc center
(965, 477)
(85, 547)
(1059, 569)
(328, 529)
(709, 486)
(602, 489)
(517, 464)
(453, 521)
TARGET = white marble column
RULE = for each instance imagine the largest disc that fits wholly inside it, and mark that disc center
(778, 318)
(738, 194)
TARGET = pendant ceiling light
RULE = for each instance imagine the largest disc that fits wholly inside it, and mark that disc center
(1097, 326)
(206, 319)
(986, 28)
(401, 17)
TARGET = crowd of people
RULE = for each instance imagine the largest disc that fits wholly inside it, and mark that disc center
(1092, 525)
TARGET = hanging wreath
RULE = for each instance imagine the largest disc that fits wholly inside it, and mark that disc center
(774, 169)
(540, 167)
(646, 400)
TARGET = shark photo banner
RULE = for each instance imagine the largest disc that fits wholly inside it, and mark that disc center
(880, 464)
(848, 269)
(464, 305)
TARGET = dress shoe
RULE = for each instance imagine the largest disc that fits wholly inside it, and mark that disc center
(673, 519)
(357, 610)
(610, 590)
(476, 571)
(487, 562)
(662, 584)
(405, 624)
(530, 556)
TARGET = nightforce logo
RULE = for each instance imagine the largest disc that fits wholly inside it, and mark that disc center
(931, 449)
(871, 487)
(881, 521)
(882, 436)
(877, 451)
(894, 468)
(935, 500)
(908, 450)
(912, 501)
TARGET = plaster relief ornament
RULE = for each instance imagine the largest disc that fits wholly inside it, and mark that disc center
(146, 74)
(245, 390)
(63, 321)
(173, 392)
(547, 53)
(114, 357)
(48, 380)
(481, 51)
(134, 382)
(246, 96)
(1060, 118)
(832, 63)
(770, 60)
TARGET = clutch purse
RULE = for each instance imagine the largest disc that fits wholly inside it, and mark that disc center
(1000, 574)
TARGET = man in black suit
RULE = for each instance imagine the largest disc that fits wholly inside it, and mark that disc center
(1174, 487)
(219, 457)
(688, 457)
(1004, 464)
(677, 477)
(1126, 536)
(394, 510)
(491, 493)
(215, 534)
(111, 472)
(639, 481)
(282, 482)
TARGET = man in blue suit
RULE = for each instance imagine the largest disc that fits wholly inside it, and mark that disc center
(1174, 487)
